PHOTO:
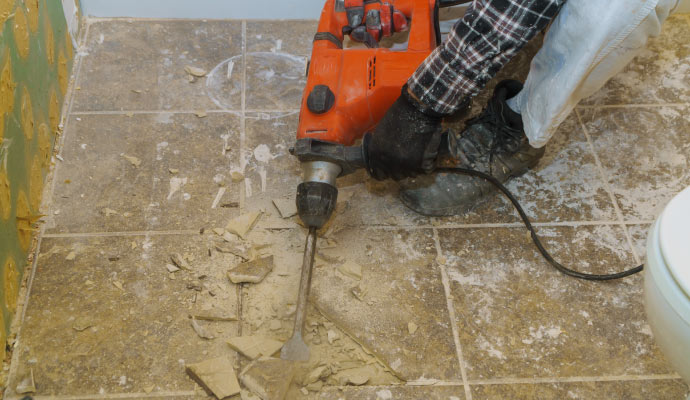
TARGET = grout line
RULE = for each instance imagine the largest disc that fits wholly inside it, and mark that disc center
(569, 379)
(641, 105)
(451, 315)
(112, 396)
(239, 291)
(382, 227)
(607, 185)
(68, 101)
(122, 233)
(498, 381)
(243, 119)
(211, 111)
(496, 225)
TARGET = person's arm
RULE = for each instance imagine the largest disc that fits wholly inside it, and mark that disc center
(479, 45)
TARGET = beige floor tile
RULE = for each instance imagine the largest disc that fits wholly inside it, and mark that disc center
(645, 154)
(82, 334)
(270, 170)
(294, 37)
(657, 75)
(394, 393)
(632, 390)
(401, 286)
(150, 56)
(518, 317)
(274, 81)
(95, 175)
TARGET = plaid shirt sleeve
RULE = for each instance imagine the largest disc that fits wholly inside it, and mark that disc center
(479, 45)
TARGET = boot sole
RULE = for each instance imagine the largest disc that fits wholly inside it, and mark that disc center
(465, 208)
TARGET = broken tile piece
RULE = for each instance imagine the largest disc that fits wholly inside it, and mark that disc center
(237, 176)
(241, 225)
(247, 395)
(332, 336)
(351, 269)
(254, 347)
(219, 231)
(211, 317)
(286, 207)
(133, 160)
(71, 256)
(108, 211)
(171, 268)
(251, 271)
(195, 71)
(180, 262)
(317, 374)
(215, 376)
(27, 385)
(200, 114)
(269, 378)
(274, 325)
(200, 330)
(355, 376)
(239, 251)
(411, 327)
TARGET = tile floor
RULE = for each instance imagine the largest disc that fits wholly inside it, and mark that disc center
(146, 174)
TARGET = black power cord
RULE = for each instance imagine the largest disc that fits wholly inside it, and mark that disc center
(533, 233)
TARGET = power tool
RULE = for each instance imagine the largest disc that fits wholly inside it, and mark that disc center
(348, 91)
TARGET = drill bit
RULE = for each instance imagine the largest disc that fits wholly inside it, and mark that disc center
(295, 349)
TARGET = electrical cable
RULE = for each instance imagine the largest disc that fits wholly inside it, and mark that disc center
(533, 233)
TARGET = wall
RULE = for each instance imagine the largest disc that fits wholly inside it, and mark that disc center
(35, 66)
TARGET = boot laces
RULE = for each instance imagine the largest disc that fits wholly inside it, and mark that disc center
(504, 137)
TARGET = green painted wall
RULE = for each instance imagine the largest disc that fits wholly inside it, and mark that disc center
(35, 67)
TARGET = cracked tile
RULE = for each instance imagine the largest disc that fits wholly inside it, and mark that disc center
(646, 154)
(401, 285)
(96, 175)
(518, 317)
(83, 334)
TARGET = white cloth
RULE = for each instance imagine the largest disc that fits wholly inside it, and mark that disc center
(588, 42)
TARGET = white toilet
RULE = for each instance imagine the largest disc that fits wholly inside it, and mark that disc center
(667, 282)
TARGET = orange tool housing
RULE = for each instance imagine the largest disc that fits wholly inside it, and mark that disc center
(355, 87)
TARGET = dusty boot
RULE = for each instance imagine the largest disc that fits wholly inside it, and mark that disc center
(494, 143)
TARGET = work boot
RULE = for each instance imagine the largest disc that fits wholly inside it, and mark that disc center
(493, 143)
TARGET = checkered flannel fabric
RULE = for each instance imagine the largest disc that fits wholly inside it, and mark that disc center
(480, 44)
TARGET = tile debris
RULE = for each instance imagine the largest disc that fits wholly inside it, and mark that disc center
(269, 378)
(286, 207)
(195, 71)
(27, 385)
(216, 376)
(200, 330)
(251, 271)
(254, 347)
(241, 225)
(133, 160)
(180, 261)
(351, 269)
